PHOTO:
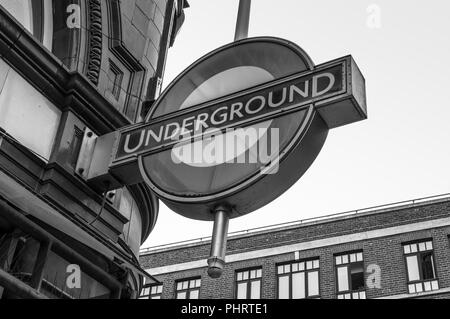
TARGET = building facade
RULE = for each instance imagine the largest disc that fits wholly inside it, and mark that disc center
(70, 69)
(395, 251)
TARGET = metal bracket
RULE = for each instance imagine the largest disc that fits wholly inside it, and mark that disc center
(94, 160)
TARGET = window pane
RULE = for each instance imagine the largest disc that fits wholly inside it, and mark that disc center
(160, 289)
(287, 268)
(419, 287)
(434, 285)
(406, 249)
(185, 284)
(294, 267)
(259, 273)
(413, 248)
(359, 256)
(255, 292)
(280, 269)
(352, 258)
(155, 297)
(412, 289)
(413, 268)
(345, 259)
(313, 283)
(422, 247)
(429, 245)
(427, 266)
(239, 276)
(242, 291)
(30, 118)
(316, 263)
(342, 279)
(309, 265)
(198, 282)
(181, 295)
(253, 274)
(179, 285)
(283, 287)
(192, 284)
(21, 11)
(338, 260)
(298, 285)
(245, 275)
(194, 294)
(301, 266)
(357, 276)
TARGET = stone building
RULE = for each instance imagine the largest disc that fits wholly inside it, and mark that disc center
(70, 68)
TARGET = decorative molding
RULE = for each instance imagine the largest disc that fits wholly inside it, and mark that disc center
(95, 41)
(120, 51)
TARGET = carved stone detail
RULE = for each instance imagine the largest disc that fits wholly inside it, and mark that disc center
(95, 41)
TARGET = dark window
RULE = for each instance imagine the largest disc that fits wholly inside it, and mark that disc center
(350, 276)
(298, 280)
(248, 284)
(419, 258)
(115, 80)
(188, 289)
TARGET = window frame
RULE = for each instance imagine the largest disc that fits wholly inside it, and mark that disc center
(116, 88)
(291, 262)
(248, 282)
(189, 289)
(418, 254)
(150, 294)
(350, 291)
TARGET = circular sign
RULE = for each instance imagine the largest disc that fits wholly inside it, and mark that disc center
(248, 166)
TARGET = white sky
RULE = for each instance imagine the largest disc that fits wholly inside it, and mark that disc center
(401, 152)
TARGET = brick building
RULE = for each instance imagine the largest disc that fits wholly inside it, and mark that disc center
(394, 251)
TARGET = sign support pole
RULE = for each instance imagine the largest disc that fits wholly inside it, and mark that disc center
(243, 19)
(216, 261)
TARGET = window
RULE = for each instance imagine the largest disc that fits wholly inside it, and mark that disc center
(28, 117)
(420, 266)
(151, 292)
(35, 16)
(248, 284)
(298, 280)
(188, 289)
(350, 276)
(115, 80)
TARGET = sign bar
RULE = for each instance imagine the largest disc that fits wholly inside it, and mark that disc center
(327, 84)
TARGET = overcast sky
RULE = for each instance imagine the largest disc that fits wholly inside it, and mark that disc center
(401, 152)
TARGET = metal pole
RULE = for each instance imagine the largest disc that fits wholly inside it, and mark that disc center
(216, 261)
(243, 19)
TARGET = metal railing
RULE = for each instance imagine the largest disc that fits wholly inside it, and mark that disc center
(299, 222)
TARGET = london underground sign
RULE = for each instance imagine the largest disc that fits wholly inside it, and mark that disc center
(231, 133)
(266, 84)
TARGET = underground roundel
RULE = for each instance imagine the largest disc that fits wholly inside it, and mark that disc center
(241, 125)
